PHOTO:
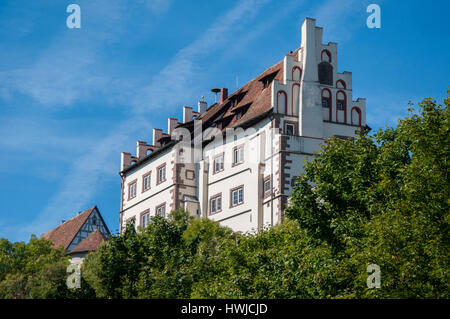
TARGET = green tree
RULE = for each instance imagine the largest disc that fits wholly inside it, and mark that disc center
(162, 260)
(32, 270)
(384, 199)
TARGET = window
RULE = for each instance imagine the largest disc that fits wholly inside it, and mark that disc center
(290, 129)
(130, 221)
(237, 196)
(326, 56)
(215, 204)
(325, 73)
(238, 115)
(146, 182)
(266, 186)
(218, 163)
(145, 217)
(340, 100)
(326, 98)
(161, 210)
(238, 155)
(340, 84)
(161, 173)
(132, 189)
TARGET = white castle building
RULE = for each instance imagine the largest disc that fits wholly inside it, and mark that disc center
(235, 161)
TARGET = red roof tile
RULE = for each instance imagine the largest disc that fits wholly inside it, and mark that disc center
(90, 243)
(255, 96)
(64, 233)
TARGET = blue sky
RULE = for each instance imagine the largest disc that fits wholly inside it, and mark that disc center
(72, 99)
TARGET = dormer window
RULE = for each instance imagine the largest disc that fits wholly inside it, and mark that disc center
(268, 79)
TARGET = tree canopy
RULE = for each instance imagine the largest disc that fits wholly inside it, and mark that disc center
(380, 198)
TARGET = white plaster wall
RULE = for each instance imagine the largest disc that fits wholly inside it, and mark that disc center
(153, 197)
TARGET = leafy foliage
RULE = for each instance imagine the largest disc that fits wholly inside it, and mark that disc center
(384, 199)
(32, 270)
(380, 199)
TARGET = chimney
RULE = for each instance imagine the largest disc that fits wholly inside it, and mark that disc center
(223, 94)
(187, 114)
(157, 134)
(171, 124)
(202, 106)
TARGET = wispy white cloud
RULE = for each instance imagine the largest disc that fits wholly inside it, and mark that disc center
(71, 69)
(180, 71)
(83, 180)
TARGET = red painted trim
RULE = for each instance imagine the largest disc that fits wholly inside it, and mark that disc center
(359, 114)
(328, 53)
(285, 101)
(343, 83)
(345, 106)
(331, 103)
(292, 100)
(293, 69)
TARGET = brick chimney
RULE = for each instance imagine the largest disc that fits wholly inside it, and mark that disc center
(223, 94)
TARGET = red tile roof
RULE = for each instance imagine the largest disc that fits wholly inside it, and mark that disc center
(255, 97)
(64, 233)
(90, 243)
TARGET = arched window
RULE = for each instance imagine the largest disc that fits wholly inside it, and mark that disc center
(326, 56)
(326, 98)
(282, 101)
(325, 73)
(296, 74)
(356, 116)
(326, 104)
(341, 105)
(340, 100)
(340, 84)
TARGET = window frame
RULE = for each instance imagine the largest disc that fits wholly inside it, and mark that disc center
(129, 220)
(144, 213)
(236, 189)
(214, 198)
(158, 180)
(294, 128)
(149, 176)
(133, 182)
(221, 155)
(238, 148)
(158, 208)
(266, 193)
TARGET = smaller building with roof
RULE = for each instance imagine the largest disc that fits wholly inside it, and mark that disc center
(80, 234)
